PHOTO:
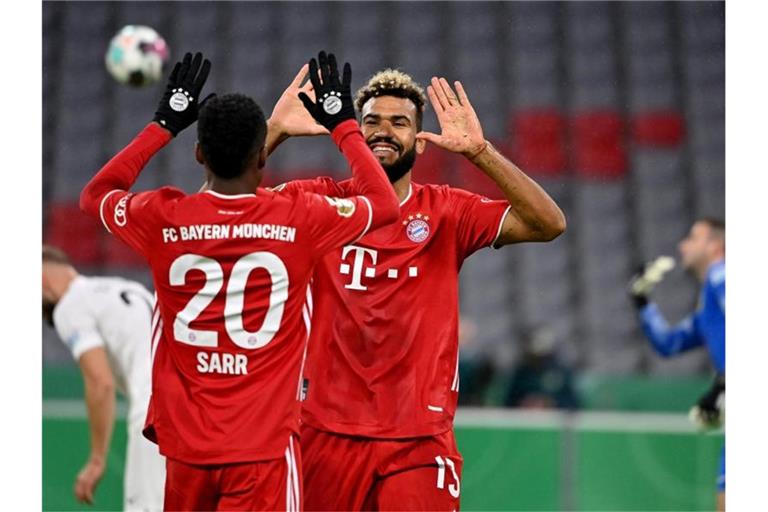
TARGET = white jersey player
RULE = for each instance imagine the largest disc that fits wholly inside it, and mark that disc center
(106, 322)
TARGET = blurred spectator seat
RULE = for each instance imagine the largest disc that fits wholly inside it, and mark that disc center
(659, 128)
(74, 232)
(538, 145)
(598, 149)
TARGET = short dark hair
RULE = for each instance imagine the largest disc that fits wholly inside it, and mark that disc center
(231, 129)
(713, 222)
(716, 227)
(393, 82)
(53, 254)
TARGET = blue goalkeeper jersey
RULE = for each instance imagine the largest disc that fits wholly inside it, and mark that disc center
(706, 326)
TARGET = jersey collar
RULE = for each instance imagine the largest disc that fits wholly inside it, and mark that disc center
(225, 196)
(407, 197)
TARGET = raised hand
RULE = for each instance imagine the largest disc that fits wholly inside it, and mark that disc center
(289, 117)
(460, 127)
(180, 103)
(333, 97)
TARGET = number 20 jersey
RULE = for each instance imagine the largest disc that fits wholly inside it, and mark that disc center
(231, 275)
(383, 353)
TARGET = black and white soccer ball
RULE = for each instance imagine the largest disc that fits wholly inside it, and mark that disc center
(136, 56)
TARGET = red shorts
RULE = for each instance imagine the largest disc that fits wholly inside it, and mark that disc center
(356, 473)
(265, 485)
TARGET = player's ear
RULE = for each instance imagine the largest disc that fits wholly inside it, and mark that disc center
(199, 154)
(421, 145)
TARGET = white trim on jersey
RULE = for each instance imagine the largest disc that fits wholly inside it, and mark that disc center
(410, 190)
(434, 408)
(310, 304)
(157, 330)
(370, 219)
(288, 487)
(292, 494)
(295, 479)
(101, 207)
(501, 223)
(155, 320)
(455, 384)
(233, 196)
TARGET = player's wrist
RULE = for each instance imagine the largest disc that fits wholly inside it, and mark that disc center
(157, 129)
(97, 459)
(640, 301)
(344, 129)
(476, 150)
(276, 129)
(276, 135)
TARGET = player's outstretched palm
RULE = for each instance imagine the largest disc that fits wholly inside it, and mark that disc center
(289, 116)
(460, 128)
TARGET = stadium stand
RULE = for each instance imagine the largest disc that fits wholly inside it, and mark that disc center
(616, 108)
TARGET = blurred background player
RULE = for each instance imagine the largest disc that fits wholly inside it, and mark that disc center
(106, 323)
(231, 267)
(381, 381)
(541, 380)
(702, 253)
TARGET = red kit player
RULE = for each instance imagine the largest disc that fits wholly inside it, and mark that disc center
(232, 270)
(381, 381)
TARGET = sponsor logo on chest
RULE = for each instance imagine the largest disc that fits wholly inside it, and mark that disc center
(417, 227)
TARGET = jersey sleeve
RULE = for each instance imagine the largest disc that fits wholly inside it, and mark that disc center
(336, 221)
(76, 326)
(669, 341)
(478, 220)
(131, 216)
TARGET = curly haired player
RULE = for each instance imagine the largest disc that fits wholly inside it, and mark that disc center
(381, 380)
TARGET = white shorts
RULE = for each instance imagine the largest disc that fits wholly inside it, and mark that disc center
(144, 473)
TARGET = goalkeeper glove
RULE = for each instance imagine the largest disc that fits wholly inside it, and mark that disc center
(709, 411)
(334, 98)
(646, 279)
(181, 102)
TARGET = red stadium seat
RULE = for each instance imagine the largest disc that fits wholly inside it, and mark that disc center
(74, 232)
(538, 141)
(598, 146)
(660, 128)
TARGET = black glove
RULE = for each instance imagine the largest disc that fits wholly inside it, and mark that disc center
(639, 298)
(334, 99)
(179, 105)
(710, 403)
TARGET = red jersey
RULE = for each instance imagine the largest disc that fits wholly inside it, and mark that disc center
(232, 275)
(383, 352)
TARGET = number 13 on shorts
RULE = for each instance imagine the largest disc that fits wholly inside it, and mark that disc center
(453, 488)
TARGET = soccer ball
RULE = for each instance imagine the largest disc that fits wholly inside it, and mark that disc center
(136, 56)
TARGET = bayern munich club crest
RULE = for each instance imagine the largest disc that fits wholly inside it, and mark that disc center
(416, 227)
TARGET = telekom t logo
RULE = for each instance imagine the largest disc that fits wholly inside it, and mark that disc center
(359, 267)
